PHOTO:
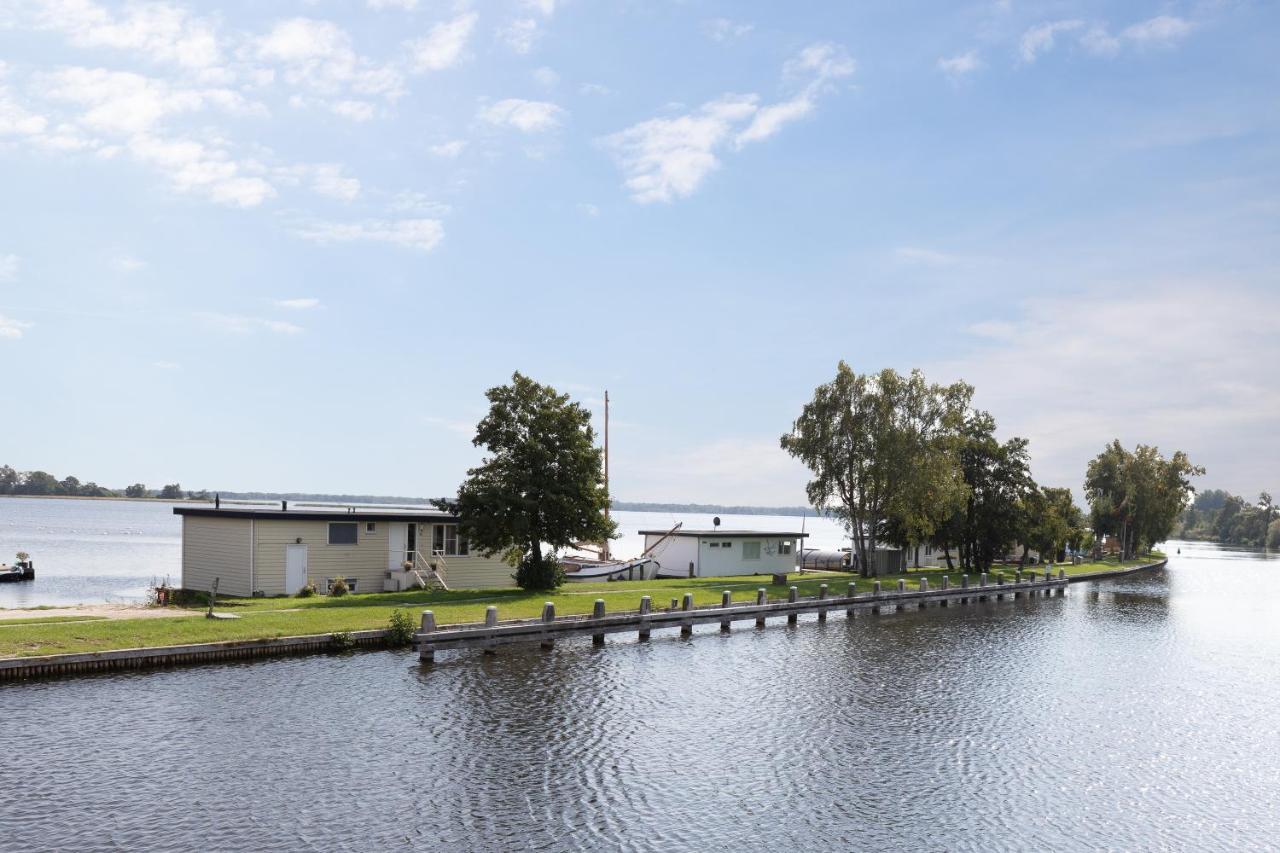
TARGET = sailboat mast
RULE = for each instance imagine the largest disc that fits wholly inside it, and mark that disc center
(604, 551)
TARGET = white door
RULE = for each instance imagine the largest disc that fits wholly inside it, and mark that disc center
(295, 568)
(397, 544)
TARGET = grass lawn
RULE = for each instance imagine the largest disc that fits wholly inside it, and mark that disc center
(262, 618)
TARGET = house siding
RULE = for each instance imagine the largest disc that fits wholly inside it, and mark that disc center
(216, 548)
(366, 561)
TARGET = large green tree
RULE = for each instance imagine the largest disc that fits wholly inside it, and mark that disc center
(541, 482)
(1138, 496)
(882, 451)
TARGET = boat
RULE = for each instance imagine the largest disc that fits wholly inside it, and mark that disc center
(585, 569)
(18, 572)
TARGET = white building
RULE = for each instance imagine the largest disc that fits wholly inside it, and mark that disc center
(714, 553)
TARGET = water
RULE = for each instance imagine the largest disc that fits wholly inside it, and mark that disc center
(89, 552)
(1136, 714)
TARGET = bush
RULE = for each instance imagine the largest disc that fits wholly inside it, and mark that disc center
(1273, 535)
(399, 629)
(339, 587)
(342, 641)
(539, 573)
(307, 591)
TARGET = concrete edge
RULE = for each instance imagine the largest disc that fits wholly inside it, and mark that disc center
(1117, 573)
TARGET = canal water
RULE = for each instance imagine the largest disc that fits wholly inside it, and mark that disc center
(1135, 714)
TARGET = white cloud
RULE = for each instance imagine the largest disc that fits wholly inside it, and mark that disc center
(419, 204)
(354, 110)
(546, 77)
(194, 167)
(546, 8)
(589, 209)
(594, 89)
(520, 34)
(723, 29)
(1098, 40)
(960, 64)
(443, 46)
(304, 303)
(159, 32)
(1160, 30)
(525, 116)
(421, 234)
(8, 267)
(16, 120)
(166, 365)
(318, 55)
(1040, 39)
(127, 264)
(11, 329)
(236, 324)
(668, 158)
(405, 5)
(122, 102)
(449, 150)
(1063, 371)
(327, 180)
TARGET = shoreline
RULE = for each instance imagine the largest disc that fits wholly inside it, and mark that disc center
(347, 619)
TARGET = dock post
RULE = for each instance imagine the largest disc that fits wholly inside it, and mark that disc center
(982, 582)
(490, 621)
(674, 604)
(762, 598)
(598, 613)
(902, 588)
(875, 592)
(548, 616)
(793, 595)
(426, 653)
(924, 587)
(726, 600)
(646, 604)
(946, 585)
(822, 593)
(686, 628)
(853, 590)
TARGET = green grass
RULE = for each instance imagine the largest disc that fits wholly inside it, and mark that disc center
(262, 618)
(46, 620)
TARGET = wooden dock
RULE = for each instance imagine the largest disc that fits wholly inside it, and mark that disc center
(683, 615)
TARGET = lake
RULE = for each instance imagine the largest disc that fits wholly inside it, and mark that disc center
(95, 551)
(1134, 714)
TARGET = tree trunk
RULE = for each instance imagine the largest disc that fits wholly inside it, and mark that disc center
(946, 552)
(1022, 561)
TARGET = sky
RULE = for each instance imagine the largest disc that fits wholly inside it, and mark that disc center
(287, 246)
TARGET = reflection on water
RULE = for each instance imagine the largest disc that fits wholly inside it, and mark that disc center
(1135, 714)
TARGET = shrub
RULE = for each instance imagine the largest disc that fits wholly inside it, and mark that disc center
(1273, 535)
(342, 641)
(399, 629)
(339, 587)
(307, 591)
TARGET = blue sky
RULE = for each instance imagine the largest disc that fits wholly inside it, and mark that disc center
(288, 246)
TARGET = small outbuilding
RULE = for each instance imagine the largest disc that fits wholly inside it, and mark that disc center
(278, 551)
(688, 553)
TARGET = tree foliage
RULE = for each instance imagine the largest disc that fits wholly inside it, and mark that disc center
(1137, 496)
(882, 449)
(540, 483)
(1231, 520)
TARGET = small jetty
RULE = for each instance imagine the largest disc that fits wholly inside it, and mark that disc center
(683, 615)
(22, 570)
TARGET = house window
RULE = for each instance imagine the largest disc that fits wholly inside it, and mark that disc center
(715, 544)
(342, 532)
(750, 550)
(784, 547)
(351, 584)
(445, 540)
(726, 544)
(370, 526)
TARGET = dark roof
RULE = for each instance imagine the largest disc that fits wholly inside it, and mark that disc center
(711, 534)
(356, 514)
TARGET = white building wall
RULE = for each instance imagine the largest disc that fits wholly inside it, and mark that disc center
(674, 555)
(721, 560)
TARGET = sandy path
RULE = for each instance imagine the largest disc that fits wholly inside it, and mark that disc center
(110, 611)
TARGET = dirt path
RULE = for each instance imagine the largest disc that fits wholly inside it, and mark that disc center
(109, 611)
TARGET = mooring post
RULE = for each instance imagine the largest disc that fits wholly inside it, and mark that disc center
(686, 628)
(598, 613)
(425, 651)
(822, 593)
(924, 587)
(673, 605)
(726, 600)
(852, 591)
(875, 592)
(793, 595)
(548, 616)
(646, 604)
(762, 598)
(490, 621)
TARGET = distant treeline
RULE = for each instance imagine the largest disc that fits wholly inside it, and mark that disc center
(1219, 516)
(44, 484)
(714, 509)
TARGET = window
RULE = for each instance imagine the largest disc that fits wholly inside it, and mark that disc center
(342, 532)
(726, 544)
(370, 526)
(784, 547)
(715, 544)
(351, 584)
(445, 540)
(750, 550)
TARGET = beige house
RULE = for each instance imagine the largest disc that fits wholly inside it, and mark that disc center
(279, 551)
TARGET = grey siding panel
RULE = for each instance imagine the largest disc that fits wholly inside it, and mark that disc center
(216, 547)
(366, 561)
